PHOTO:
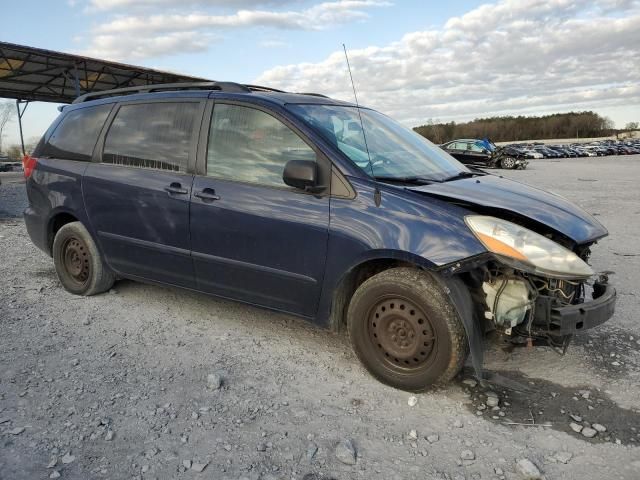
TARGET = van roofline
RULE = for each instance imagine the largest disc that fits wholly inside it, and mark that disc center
(268, 93)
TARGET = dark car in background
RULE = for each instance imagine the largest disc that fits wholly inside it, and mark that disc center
(482, 153)
(599, 148)
(277, 200)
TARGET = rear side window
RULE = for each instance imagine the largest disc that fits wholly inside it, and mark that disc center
(77, 133)
(151, 135)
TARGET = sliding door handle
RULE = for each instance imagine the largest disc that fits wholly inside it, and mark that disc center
(207, 194)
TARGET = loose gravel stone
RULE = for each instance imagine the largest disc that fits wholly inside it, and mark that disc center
(55, 474)
(67, 458)
(467, 455)
(470, 382)
(433, 438)
(199, 467)
(563, 457)
(589, 432)
(214, 381)
(346, 452)
(528, 469)
(412, 401)
(576, 427)
(312, 449)
(493, 401)
(599, 428)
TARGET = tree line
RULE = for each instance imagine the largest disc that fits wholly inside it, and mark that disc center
(508, 128)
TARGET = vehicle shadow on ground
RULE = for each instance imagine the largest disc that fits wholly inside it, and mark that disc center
(580, 411)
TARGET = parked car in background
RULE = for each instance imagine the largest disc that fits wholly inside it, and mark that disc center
(573, 150)
(10, 166)
(531, 153)
(268, 198)
(481, 153)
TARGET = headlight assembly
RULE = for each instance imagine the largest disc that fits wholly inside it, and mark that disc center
(526, 249)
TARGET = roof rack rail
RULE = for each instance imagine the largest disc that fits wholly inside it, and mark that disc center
(260, 88)
(313, 94)
(221, 86)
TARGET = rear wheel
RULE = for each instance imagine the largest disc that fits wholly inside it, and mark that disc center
(405, 330)
(508, 163)
(78, 262)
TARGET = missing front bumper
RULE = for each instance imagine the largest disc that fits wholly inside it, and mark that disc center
(558, 321)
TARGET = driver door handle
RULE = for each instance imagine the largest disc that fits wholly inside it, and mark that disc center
(207, 195)
(176, 188)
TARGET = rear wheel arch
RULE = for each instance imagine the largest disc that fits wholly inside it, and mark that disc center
(56, 222)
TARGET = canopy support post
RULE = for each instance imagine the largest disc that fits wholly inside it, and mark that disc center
(20, 114)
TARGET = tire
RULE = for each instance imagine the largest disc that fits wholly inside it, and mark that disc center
(78, 263)
(508, 163)
(405, 330)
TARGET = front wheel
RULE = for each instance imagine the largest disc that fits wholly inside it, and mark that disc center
(78, 262)
(508, 163)
(405, 330)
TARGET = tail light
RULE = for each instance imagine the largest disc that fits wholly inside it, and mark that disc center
(29, 164)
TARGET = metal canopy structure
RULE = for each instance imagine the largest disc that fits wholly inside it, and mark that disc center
(30, 74)
(35, 74)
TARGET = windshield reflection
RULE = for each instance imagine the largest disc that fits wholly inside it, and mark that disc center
(394, 151)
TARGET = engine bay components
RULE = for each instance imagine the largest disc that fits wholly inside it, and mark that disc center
(508, 299)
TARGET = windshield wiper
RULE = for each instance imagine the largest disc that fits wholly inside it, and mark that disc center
(460, 175)
(407, 180)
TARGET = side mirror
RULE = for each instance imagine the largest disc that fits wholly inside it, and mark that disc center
(302, 174)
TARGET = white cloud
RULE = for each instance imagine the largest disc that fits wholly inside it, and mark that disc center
(114, 39)
(513, 56)
(112, 47)
(128, 4)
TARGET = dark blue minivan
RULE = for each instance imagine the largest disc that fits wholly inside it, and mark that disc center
(314, 207)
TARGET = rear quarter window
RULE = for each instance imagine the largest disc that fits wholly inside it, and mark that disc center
(77, 133)
(152, 135)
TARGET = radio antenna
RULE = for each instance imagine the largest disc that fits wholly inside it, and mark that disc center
(364, 134)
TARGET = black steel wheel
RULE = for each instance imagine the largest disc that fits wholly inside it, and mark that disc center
(403, 333)
(405, 329)
(78, 262)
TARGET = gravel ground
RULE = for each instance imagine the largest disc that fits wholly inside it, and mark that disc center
(150, 382)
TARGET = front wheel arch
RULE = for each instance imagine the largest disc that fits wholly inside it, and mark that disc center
(358, 273)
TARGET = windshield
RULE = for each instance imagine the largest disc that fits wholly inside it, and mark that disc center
(396, 152)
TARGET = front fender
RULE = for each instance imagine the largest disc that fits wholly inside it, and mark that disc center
(404, 226)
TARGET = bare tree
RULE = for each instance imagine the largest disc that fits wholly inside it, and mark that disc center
(7, 112)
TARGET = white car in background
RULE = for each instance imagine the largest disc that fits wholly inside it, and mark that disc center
(531, 153)
(586, 152)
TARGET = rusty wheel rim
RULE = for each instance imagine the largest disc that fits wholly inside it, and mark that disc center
(401, 333)
(76, 260)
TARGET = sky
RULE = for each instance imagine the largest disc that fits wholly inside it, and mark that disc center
(413, 60)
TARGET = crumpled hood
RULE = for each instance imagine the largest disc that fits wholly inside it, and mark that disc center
(494, 192)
